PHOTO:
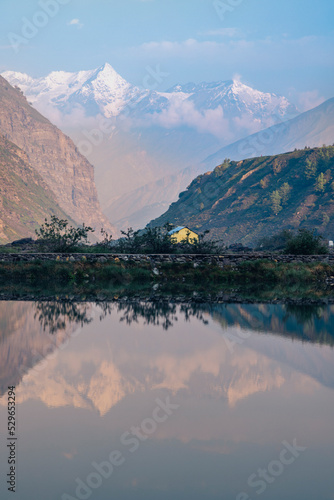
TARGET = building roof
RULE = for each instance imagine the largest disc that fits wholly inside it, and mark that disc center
(176, 230)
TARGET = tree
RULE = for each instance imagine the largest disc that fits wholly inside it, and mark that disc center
(157, 239)
(263, 183)
(284, 193)
(275, 199)
(221, 168)
(320, 183)
(130, 242)
(306, 242)
(325, 219)
(58, 236)
(107, 239)
(310, 169)
(151, 240)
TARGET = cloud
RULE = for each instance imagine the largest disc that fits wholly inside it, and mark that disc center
(75, 22)
(76, 119)
(184, 113)
(309, 100)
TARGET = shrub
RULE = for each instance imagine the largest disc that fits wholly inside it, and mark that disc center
(151, 240)
(276, 242)
(58, 236)
(306, 242)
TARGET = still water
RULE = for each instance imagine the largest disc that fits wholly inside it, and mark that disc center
(141, 401)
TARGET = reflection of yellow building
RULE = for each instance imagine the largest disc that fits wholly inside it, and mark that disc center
(182, 233)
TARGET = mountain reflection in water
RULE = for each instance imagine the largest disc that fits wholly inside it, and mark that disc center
(86, 373)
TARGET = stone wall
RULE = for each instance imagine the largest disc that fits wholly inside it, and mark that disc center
(221, 260)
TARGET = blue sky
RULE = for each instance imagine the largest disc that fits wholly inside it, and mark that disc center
(281, 46)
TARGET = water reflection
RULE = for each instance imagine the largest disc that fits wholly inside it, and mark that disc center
(31, 331)
(57, 316)
(157, 313)
(234, 407)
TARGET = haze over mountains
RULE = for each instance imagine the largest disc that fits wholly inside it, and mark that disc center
(151, 138)
(313, 128)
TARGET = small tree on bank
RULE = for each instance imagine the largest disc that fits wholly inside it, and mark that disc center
(58, 236)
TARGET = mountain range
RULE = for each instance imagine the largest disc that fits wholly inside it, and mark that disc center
(148, 146)
(104, 91)
(151, 138)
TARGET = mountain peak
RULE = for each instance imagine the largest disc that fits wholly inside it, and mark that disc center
(106, 68)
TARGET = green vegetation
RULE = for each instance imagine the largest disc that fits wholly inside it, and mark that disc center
(276, 199)
(320, 183)
(156, 240)
(101, 277)
(302, 242)
(310, 169)
(58, 236)
(243, 202)
(305, 243)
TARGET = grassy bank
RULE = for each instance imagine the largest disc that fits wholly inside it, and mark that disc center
(264, 277)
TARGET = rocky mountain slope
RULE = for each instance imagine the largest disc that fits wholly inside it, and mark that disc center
(313, 129)
(151, 135)
(25, 199)
(244, 201)
(53, 155)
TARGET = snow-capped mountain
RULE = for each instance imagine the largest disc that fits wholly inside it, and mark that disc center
(100, 90)
(104, 91)
(233, 95)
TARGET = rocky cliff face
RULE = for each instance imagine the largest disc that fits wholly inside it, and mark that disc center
(25, 198)
(67, 173)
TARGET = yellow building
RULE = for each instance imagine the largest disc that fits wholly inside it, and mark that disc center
(182, 233)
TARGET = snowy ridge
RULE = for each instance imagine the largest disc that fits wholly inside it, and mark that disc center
(104, 91)
(104, 86)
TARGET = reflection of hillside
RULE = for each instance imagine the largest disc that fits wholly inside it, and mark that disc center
(303, 322)
(309, 323)
(25, 339)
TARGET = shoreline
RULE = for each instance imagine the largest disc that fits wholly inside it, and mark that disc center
(204, 278)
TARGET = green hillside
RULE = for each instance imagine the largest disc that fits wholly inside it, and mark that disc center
(25, 199)
(247, 200)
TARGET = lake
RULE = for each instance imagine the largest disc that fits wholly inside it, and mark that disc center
(154, 401)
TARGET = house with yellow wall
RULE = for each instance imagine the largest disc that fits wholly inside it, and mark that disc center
(182, 233)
